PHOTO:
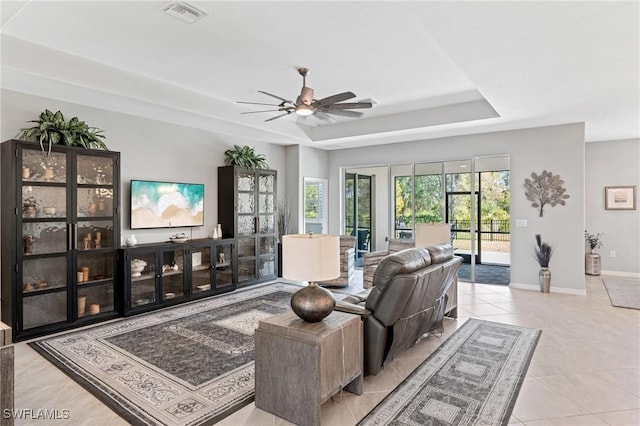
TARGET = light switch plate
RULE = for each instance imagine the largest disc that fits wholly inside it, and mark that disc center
(521, 223)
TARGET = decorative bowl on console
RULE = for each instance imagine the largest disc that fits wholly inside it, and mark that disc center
(179, 238)
(137, 266)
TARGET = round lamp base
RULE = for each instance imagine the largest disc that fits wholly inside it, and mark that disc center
(312, 303)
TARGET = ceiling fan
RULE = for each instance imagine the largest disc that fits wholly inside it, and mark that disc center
(306, 105)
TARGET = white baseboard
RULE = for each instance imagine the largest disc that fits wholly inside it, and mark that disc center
(535, 287)
(621, 274)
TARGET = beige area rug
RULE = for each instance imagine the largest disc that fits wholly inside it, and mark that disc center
(623, 292)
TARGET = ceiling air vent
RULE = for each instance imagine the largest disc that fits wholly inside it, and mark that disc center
(184, 12)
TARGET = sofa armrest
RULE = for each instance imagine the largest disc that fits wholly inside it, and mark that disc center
(350, 308)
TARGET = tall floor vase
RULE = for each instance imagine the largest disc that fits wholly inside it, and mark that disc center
(592, 263)
(544, 278)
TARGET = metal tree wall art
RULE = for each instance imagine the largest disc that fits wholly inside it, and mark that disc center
(545, 189)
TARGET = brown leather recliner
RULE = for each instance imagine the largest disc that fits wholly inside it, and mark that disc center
(408, 299)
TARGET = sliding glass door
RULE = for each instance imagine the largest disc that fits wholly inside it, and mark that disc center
(358, 200)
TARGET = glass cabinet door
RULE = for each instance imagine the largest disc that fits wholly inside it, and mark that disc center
(246, 258)
(267, 225)
(172, 274)
(201, 270)
(44, 233)
(224, 270)
(143, 279)
(94, 235)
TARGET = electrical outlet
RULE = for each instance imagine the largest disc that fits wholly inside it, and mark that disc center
(612, 253)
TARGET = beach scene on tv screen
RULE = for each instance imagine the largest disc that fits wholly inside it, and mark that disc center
(165, 204)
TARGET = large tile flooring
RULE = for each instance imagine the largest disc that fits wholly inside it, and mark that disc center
(585, 371)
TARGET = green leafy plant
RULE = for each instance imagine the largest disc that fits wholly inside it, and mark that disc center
(51, 128)
(593, 240)
(543, 252)
(244, 156)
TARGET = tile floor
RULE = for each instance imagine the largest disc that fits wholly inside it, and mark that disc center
(585, 371)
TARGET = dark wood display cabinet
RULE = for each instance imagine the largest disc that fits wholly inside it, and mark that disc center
(247, 212)
(60, 229)
(162, 274)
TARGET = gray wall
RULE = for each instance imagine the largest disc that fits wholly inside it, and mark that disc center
(150, 150)
(301, 162)
(614, 163)
(559, 149)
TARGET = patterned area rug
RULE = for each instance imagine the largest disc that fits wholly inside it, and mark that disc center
(623, 292)
(188, 365)
(471, 379)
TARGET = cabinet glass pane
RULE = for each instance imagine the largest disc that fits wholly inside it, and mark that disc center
(267, 266)
(43, 274)
(95, 300)
(95, 202)
(172, 274)
(246, 225)
(38, 167)
(267, 245)
(201, 269)
(44, 309)
(224, 272)
(246, 203)
(95, 235)
(267, 224)
(95, 170)
(246, 247)
(246, 270)
(43, 238)
(143, 279)
(266, 183)
(246, 182)
(265, 203)
(43, 201)
(93, 267)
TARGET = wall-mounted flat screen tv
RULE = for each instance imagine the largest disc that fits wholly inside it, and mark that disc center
(166, 204)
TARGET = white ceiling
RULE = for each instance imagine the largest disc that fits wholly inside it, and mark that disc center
(433, 69)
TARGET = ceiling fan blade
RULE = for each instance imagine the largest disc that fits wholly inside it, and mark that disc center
(343, 112)
(347, 105)
(277, 116)
(264, 110)
(336, 98)
(274, 96)
(256, 103)
(323, 117)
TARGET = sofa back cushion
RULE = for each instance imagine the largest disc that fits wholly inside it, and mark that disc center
(440, 252)
(404, 263)
(399, 244)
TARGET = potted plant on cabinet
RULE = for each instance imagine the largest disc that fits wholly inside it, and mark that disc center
(592, 259)
(51, 128)
(543, 254)
(244, 156)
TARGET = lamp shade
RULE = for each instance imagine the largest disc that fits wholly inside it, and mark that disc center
(432, 233)
(310, 257)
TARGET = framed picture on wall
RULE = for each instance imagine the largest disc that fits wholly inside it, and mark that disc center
(620, 197)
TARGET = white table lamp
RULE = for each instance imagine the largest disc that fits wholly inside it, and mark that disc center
(312, 258)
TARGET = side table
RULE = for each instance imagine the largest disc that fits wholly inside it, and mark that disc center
(299, 365)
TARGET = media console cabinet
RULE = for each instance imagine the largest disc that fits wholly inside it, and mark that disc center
(156, 275)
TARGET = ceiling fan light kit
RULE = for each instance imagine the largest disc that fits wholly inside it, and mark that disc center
(305, 105)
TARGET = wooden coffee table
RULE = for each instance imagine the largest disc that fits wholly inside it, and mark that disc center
(299, 365)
